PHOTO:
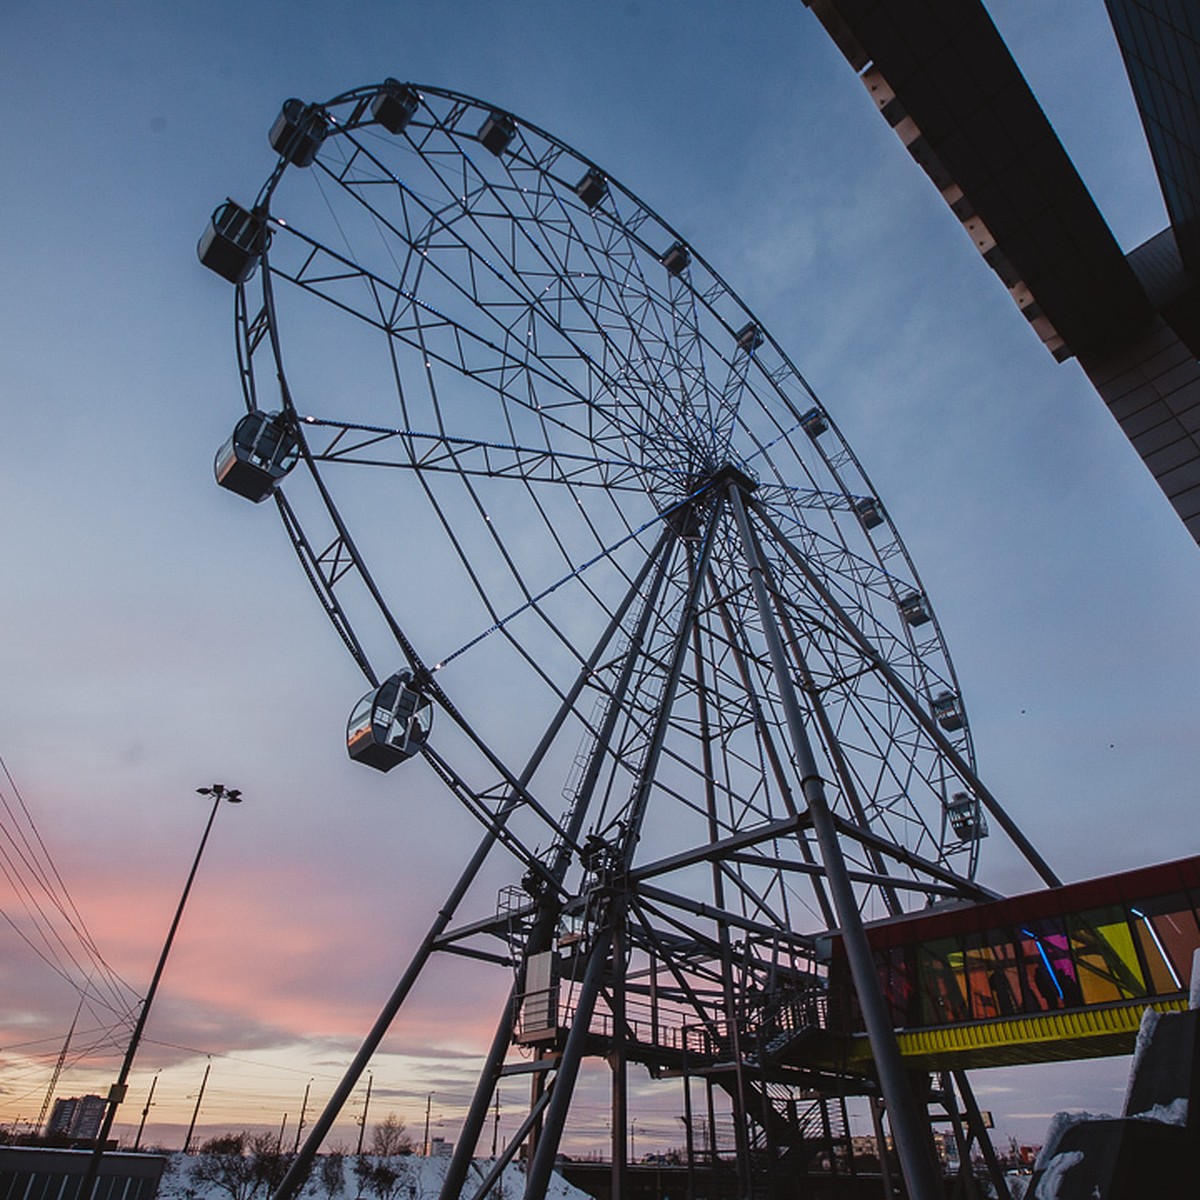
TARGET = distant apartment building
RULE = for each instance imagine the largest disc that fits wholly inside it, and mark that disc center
(78, 1118)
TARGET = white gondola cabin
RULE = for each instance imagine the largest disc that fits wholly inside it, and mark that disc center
(233, 243)
(963, 813)
(389, 724)
(749, 337)
(298, 132)
(260, 453)
(947, 711)
(394, 105)
(496, 132)
(869, 512)
(914, 609)
(676, 258)
(592, 188)
(813, 423)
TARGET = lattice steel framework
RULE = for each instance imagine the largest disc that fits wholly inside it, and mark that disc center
(688, 679)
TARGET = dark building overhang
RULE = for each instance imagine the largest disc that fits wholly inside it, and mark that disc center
(1160, 43)
(944, 80)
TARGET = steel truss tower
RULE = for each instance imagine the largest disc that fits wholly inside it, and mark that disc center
(619, 586)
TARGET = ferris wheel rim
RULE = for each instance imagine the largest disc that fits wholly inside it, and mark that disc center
(848, 463)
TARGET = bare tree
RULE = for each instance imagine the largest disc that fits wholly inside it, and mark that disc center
(222, 1164)
(333, 1173)
(268, 1162)
(240, 1164)
(378, 1177)
(390, 1138)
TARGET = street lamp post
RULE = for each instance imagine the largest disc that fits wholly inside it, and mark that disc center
(219, 792)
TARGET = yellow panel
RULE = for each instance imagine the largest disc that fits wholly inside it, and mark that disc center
(1162, 977)
(1084, 1033)
(1104, 955)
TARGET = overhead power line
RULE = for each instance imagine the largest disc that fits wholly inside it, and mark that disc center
(53, 927)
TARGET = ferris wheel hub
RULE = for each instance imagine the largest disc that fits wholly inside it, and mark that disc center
(728, 474)
(686, 517)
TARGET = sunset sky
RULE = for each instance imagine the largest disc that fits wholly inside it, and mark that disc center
(159, 634)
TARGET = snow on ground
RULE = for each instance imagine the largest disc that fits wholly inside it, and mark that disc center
(1145, 1036)
(1174, 1113)
(1059, 1124)
(1056, 1168)
(1054, 1164)
(1018, 1185)
(417, 1178)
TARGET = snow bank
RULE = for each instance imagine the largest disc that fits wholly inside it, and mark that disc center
(417, 1178)
(1056, 1168)
(1059, 1124)
(1050, 1161)
(1175, 1113)
(1146, 1029)
(1018, 1185)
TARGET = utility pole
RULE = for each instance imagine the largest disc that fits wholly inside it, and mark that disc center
(362, 1125)
(137, 1142)
(303, 1110)
(428, 1106)
(496, 1125)
(187, 1143)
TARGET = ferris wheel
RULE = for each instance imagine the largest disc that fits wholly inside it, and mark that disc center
(610, 571)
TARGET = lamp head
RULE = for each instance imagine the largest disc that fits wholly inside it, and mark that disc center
(233, 795)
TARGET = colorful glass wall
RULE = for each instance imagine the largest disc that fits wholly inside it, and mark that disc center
(1121, 938)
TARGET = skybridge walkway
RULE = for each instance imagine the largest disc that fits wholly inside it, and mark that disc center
(1062, 973)
(1059, 974)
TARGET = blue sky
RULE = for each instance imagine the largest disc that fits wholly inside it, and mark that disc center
(159, 634)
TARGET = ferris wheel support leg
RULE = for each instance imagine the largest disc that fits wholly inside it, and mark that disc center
(619, 1064)
(657, 559)
(542, 1165)
(962, 1139)
(837, 758)
(881, 1145)
(773, 756)
(916, 711)
(718, 884)
(908, 1127)
(297, 1173)
(689, 1138)
(977, 1129)
(464, 1150)
(540, 937)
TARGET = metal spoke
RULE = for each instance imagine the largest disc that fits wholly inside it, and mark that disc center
(538, 460)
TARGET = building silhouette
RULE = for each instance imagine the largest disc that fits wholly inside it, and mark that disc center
(77, 1118)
